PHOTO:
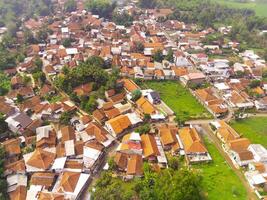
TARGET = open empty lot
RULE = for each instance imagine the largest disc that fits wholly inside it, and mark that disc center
(179, 99)
(219, 178)
(253, 128)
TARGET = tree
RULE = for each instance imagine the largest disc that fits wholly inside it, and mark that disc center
(42, 34)
(103, 8)
(147, 3)
(70, 6)
(136, 94)
(39, 77)
(3, 124)
(158, 56)
(169, 56)
(38, 63)
(67, 43)
(139, 47)
(111, 163)
(173, 163)
(20, 98)
(65, 117)
(122, 18)
(91, 105)
(143, 129)
(254, 83)
(29, 37)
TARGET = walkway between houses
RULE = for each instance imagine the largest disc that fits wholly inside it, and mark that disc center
(217, 143)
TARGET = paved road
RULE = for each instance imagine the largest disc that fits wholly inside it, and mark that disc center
(217, 143)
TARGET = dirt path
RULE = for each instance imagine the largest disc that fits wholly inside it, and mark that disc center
(217, 143)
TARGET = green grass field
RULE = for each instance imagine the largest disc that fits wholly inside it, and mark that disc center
(254, 128)
(259, 7)
(179, 99)
(219, 180)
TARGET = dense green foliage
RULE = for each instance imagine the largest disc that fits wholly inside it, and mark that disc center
(3, 124)
(245, 23)
(66, 117)
(4, 84)
(3, 183)
(70, 6)
(103, 8)
(136, 94)
(158, 56)
(7, 59)
(89, 71)
(122, 18)
(144, 129)
(168, 184)
(11, 10)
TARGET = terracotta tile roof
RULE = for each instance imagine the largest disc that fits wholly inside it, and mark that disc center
(130, 85)
(46, 89)
(107, 105)
(84, 89)
(245, 155)
(50, 196)
(18, 166)
(217, 109)
(135, 165)
(94, 144)
(236, 98)
(110, 93)
(227, 134)
(41, 159)
(167, 136)
(74, 164)
(205, 94)
(50, 141)
(12, 146)
(121, 160)
(145, 106)
(78, 146)
(117, 97)
(239, 144)
(86, 119)
(19, 193)
(111, 113)
(98, 131)
(68, 181)
(99, 115)
(6, 109)
(60, 150)
(191, 140)
(17, 80)
(68, 133)
(119, 123)
(156, 45)
(44, 179)
(149, 145)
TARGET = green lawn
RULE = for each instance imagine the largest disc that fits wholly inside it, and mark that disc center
(254, 128)
(179, 99)
(4, 84)
(259, 7)
(219, 180)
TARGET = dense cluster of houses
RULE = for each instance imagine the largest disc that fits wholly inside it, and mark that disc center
(251, 157)
(49, 160)
(151, 148)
